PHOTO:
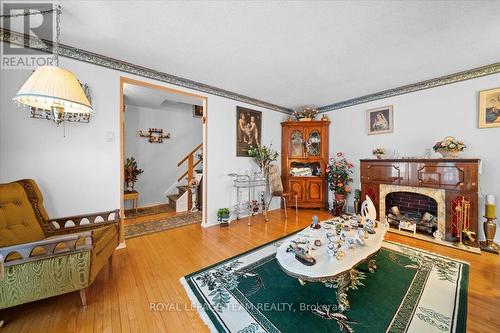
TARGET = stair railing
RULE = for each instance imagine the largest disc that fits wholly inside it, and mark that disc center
(190, 158)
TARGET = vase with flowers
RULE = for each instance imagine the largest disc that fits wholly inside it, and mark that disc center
(263, 156)
(378, 153)
(449, 147)
(306, 114)
(338, 175)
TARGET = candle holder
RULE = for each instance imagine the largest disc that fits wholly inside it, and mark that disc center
(490, 229)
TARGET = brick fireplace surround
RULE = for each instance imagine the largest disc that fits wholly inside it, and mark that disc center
(444, 180)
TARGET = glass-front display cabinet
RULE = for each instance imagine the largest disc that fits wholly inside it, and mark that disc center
(304, 155)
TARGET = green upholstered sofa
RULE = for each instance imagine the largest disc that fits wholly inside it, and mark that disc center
(40, 257)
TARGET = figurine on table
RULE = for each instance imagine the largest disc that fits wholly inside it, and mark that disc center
(315, 223)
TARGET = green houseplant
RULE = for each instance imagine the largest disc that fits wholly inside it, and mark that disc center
(131, 173)
(223, 216)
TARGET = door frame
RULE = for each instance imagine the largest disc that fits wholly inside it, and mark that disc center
(127, 80)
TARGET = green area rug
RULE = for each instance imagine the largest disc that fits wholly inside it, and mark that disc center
(411, 291)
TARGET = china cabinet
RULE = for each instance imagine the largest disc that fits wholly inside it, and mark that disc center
(304, 156)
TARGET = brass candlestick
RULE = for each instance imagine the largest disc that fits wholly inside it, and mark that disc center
(490, 229)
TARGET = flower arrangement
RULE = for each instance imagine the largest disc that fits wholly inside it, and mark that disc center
(338, 174)
(378, 152)
(305, 113)
(131, 173)
(263, 156)
(449, 147)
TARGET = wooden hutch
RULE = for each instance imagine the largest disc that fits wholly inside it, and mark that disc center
(303, 144)
(459, 178)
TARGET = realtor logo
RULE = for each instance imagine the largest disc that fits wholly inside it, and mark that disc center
(36, 22)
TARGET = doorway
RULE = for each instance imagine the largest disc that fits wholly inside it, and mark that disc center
(163, 146)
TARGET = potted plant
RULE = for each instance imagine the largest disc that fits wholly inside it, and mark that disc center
(263, 156)
(338, 176)
(378, 152)
(131, 173)
(449, 147)
(306, 114)
(223, 216)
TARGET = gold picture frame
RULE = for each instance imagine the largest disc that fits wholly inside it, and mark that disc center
(489, 108)
(380, 120)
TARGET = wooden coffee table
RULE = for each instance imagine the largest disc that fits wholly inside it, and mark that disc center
(341, 273)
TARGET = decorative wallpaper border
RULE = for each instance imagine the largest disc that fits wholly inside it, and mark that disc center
(432, 83)
(18, 38)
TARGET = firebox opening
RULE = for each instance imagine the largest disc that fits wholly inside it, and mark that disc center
(411, 211)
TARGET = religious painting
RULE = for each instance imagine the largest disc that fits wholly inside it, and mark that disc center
(248, 130)
(380, 120)
(489, 108)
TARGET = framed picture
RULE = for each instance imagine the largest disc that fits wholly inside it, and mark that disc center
(197, 111)
(489, 108)
(380, 120)
(248, 129)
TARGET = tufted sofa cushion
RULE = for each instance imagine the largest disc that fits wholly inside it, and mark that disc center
(18, 220)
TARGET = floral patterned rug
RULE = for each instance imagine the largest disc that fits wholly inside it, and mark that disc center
(150, 227)
(411, 291)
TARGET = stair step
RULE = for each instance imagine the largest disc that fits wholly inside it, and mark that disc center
(172, 199)
(182, 189)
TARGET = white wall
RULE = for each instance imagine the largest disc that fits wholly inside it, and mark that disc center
(81, 173)
(159, 161)
(421, 119)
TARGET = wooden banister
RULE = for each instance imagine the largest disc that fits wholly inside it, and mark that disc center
(191, 153)
(190, 170)
(185, 173)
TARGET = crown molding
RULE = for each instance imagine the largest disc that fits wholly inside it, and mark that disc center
(17, 38)
(432, 83)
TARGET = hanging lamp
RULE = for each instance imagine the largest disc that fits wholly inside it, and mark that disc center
(53, 92)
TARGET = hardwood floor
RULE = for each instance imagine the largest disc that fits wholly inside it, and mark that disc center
(149, 269)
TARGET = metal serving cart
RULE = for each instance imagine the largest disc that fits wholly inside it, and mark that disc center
(256, 203)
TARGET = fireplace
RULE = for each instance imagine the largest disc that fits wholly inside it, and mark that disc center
(416, 209)
(447, 189)
(413, 204)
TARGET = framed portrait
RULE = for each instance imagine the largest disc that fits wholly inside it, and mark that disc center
(380, 120)
(248, 130)
(489, 108)
(197, 111)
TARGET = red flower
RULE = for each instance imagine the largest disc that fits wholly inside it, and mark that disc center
(350, 166)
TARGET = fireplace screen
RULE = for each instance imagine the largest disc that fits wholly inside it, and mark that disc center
(414, 209)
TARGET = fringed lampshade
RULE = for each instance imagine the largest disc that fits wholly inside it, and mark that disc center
(55, 89)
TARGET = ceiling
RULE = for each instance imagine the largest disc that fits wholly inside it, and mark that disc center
(291, 53)
(154, 98)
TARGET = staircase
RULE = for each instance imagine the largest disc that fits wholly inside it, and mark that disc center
(182, 201)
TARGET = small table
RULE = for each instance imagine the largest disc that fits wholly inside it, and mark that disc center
(328, 269)
(132, 195)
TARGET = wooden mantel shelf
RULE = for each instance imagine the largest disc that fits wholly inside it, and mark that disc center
(420, 160)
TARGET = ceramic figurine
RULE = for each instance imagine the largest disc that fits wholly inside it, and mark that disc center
(301, 254)
(368, 210)
(317, 242)
(338, 229)
(315, 223)
(351, 242)
(369, 226)
(437, 235)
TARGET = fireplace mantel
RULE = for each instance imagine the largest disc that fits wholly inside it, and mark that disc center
(457, 177)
